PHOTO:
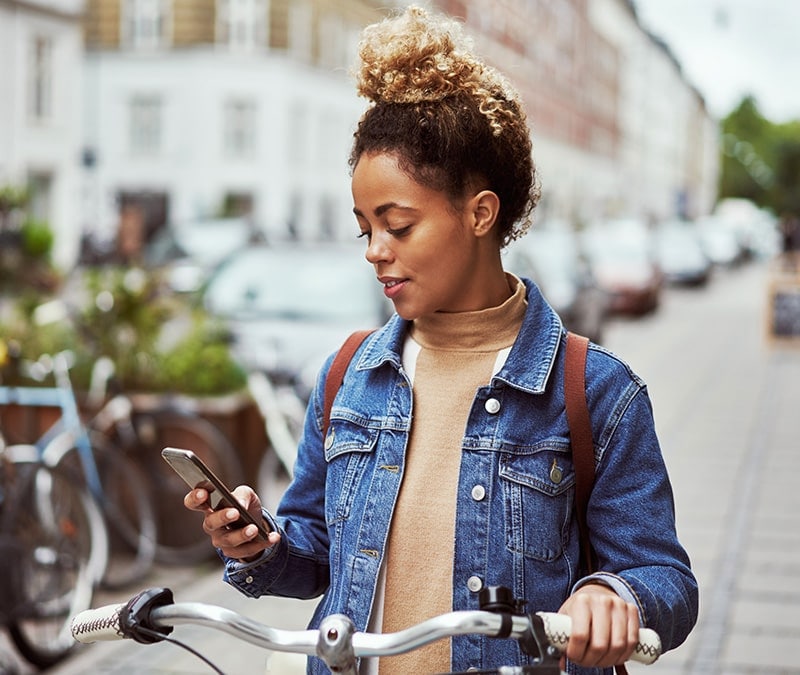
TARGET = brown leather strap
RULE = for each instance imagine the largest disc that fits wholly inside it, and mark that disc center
(580, 434)
(336, 373)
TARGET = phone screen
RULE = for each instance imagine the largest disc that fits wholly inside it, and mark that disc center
(197, 475)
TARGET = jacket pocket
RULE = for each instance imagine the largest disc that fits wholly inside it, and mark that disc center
(348, 447)
(538, 493)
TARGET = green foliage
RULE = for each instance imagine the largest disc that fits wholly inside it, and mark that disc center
(157, 342)
(12, 197)
(201, 361)
(37, 239)
(761, 159)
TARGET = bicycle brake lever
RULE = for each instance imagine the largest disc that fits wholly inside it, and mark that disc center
(134, 618)
(535, 643)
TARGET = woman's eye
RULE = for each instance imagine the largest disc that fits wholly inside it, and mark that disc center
(398, 231)
(365, 233)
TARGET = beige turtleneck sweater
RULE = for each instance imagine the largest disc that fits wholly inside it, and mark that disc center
(457, 354)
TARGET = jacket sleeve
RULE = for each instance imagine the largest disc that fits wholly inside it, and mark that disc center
(631, 520)
(298, 566)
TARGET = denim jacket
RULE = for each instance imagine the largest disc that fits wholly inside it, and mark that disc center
(516, 514)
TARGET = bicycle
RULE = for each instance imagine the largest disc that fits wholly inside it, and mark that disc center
(117, 484)
(48, 553)
(140, 433)
(283, 412)
(151, 616)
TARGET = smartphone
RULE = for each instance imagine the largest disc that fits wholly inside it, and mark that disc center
(197, 475)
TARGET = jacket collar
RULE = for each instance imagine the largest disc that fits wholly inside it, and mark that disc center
(529, 363)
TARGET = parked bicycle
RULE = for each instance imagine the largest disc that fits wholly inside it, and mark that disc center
(140, 434)
(283, 412)
(151, 615)
(114, 481)
(49, 553)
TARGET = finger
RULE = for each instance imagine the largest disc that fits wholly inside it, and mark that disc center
(242, 543)
(619, 633)
(219, 520)
(196, 500)
(580, 636)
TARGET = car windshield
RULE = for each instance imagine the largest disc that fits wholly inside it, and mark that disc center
(301, 284)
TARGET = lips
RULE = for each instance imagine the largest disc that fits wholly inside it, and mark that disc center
(392, 286)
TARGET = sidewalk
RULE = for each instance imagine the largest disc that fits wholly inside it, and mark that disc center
(727, 407)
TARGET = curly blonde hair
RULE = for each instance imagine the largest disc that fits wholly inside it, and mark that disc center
(451, 119)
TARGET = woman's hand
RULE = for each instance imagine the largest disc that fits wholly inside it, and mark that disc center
(605, 628)
(234, 543)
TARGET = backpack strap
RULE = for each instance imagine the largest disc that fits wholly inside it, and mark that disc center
(336, 373)
(580, 434)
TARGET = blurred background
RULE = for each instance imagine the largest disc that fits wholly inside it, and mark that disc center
(175, 197)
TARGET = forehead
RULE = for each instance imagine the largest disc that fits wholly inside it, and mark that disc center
(379, 178)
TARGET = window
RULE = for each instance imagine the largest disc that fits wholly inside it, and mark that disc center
(301, 30)
(41, 78)
(145, 125)
(240, 128)
(145, 24)
(242, 24)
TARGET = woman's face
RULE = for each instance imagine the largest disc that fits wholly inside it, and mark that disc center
(423, 247)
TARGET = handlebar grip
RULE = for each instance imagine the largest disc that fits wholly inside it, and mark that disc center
(102, 623)
(559, 626)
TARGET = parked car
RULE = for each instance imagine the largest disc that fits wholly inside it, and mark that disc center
(680, 254)
(187, 252)
(720, 241)
(624, 262)
(551, 257)
(289, 306)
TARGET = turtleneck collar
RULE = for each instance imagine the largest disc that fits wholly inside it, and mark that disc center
(488, 329)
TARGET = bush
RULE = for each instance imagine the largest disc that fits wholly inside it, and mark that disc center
(157, 342)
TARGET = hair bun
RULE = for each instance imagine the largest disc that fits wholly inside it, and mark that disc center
(416, 57)
(412, 57)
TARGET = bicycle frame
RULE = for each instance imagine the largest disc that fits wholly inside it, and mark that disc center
(60, 396)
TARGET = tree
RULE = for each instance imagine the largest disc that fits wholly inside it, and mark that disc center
(761, 159)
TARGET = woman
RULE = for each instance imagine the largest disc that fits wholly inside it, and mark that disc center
(447, 465)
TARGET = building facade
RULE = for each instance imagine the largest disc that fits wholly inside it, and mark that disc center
(41, 66)
(194, 109)
(203, 108)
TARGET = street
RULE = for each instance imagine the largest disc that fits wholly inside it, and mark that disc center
(726, 408)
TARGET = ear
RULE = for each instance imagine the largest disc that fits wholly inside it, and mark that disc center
(482, 210)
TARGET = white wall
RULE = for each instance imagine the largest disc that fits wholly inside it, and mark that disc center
(305, 120)
(49, 146)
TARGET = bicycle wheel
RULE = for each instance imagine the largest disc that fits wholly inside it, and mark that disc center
(53, 523)
(181, 540)
(126, 501)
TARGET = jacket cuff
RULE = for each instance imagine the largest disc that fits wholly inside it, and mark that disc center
(617, 584)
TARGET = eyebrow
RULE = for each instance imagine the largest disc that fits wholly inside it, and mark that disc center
(383, 208)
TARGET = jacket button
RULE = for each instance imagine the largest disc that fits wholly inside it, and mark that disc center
(492, 406)
(474, 584)
(248, 580)
(478, 492)
(329, 439)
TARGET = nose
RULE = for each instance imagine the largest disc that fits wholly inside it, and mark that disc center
(378, 250)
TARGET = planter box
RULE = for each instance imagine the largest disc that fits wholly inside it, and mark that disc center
(235, 415)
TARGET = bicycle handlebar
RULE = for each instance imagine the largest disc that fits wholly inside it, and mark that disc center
(151, 615)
